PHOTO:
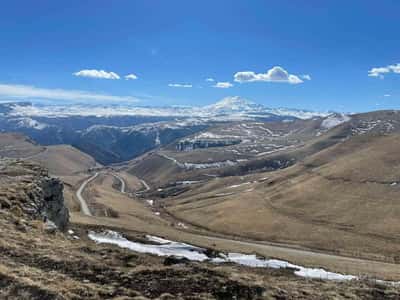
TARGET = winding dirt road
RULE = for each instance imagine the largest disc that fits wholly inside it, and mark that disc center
(146, 186)
(123, 185)
(84, 207)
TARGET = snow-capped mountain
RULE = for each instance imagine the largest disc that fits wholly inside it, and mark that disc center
(234, 104)
(237, 105)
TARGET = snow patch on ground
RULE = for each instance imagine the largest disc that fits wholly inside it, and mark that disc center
(238, 185)
(224, 194)
(187, 182)
(253, 261)
(157, 140)
(166, 247)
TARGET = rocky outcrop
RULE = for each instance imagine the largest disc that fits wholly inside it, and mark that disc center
(53, 202)
(192, 144)
(28, 191)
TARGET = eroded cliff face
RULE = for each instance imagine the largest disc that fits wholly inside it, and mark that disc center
(28, 191)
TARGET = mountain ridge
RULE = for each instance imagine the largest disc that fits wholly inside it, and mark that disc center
(232, 105)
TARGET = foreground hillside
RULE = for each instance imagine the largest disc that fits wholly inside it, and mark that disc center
(39, 262)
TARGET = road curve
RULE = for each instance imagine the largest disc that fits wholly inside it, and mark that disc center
(84, 207)
(123, 185)
(147, 187)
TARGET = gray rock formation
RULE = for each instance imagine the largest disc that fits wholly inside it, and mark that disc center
(54, 208)
(192, 144)
(26, 189)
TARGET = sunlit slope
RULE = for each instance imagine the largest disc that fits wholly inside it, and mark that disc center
(344, 198)
(64, 160)
(16, 145)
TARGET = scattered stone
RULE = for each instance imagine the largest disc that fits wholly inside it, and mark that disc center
(5, 203)
(49, 227)
(20, 226)
(182, 225)
(211, 252)
(174, 260)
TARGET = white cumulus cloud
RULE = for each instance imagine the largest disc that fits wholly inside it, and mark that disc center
(131, 77)
(97, 74)
(306, 77)
(387, 95)
(223, 85)
(381, 71)
(180, 85)
(31, 92)
(210, 79)
(275, 74)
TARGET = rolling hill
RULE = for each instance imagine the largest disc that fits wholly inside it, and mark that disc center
(340, 194)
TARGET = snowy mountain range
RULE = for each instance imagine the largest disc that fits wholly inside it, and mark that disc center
(116, 133)
(229, 107)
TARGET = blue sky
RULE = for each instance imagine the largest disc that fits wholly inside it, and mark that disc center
(336, 43)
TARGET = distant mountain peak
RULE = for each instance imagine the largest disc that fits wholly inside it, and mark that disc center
(233, 101)
(236, 104)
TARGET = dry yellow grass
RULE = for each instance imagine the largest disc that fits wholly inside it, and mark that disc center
(340, 200)
(64, 160)
(135, 216)
(17, 145)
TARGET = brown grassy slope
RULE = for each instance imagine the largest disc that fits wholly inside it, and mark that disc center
(62, 160)
(39, 265)
(132, 214)
(16, 145)
(340, 199)
(69, 164)
(35, 265)
(155, 169)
